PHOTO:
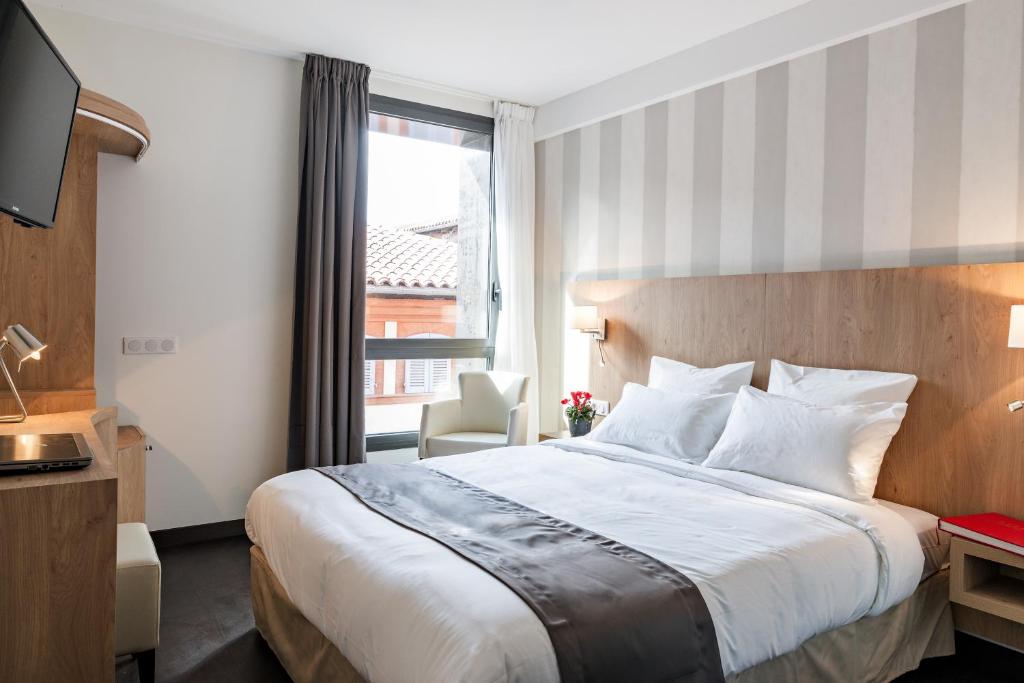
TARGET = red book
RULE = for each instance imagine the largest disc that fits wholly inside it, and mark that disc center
(998, 531)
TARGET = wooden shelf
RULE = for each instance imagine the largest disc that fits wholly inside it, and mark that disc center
(1001, 589)
(119, 129)
(40, 401)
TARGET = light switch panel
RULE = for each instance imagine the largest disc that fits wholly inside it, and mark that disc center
(600, 407)
(147, 345)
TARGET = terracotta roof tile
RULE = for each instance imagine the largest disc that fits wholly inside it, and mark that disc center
(399, 257)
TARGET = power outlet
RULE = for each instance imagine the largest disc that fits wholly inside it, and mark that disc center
(146, 345)
(600, 407)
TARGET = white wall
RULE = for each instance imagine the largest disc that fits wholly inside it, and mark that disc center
(197, 241)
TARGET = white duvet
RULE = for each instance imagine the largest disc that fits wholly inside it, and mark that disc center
(775, 563)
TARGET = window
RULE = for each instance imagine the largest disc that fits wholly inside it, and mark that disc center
(431, 294)
(427, 375)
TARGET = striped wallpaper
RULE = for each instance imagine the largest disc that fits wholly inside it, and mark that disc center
(899, 148)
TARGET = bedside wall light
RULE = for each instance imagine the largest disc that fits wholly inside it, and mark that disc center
(24, 346)
(584, 319)
(1016, 341)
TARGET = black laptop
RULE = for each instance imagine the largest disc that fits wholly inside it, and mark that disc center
(21, 453)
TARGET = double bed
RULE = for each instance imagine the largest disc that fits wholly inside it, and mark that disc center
(785, 571)
(800, 584)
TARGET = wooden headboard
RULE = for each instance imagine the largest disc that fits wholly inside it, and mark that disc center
(959, 450)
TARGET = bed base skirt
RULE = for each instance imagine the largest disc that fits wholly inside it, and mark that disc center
(871, 650)
(303, 651)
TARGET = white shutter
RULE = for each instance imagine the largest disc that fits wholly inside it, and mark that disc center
(369, 377)
(440, 375)
(416, 376)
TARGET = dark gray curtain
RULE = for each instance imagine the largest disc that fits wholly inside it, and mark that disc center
(326, 407)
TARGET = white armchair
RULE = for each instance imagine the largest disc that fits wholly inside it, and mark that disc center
(490, 412)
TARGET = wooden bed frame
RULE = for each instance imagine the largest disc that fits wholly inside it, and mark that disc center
(959, 450)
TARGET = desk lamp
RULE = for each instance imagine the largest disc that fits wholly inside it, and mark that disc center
(24, 346)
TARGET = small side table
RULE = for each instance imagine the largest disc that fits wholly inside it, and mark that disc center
(987, 579)
(563, 434)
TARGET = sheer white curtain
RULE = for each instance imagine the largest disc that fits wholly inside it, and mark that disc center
(516, 341)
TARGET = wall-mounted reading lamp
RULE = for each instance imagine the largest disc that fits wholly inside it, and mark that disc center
(24, 346)
(1016, 341)
(584, 319)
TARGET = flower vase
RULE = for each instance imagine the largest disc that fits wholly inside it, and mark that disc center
(579, 427)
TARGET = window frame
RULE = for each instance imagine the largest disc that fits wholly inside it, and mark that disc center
(412, 348)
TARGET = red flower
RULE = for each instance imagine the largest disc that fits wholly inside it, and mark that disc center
(581, 407)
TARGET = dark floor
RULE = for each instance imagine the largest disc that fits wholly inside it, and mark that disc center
(206, 625)
(207, 633)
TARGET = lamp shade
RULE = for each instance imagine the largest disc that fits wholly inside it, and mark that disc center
(1016, 340)
(585, 318)
(23, 343)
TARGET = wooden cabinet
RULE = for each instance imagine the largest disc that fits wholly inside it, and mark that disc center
(58, 557)
(131, 474)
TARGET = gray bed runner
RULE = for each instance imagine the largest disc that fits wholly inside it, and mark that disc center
(612, 612)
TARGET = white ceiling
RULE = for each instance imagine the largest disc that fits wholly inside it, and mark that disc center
(530, 51)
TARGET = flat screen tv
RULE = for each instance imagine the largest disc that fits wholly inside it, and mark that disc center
(38, 94)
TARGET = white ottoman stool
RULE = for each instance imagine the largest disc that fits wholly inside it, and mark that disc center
(137, 605)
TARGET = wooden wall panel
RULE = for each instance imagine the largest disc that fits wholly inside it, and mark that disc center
(959, 450)
(706, 321)
(48, 284)
(38, 402)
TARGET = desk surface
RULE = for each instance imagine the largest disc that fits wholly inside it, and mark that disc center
(86, 422)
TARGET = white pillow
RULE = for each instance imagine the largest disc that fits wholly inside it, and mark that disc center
(835, 449)
(672, 375)
(669, 423)
(826, 387)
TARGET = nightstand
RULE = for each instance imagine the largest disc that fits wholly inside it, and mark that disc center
(544, 436)
(987, 586)
(988, 579)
